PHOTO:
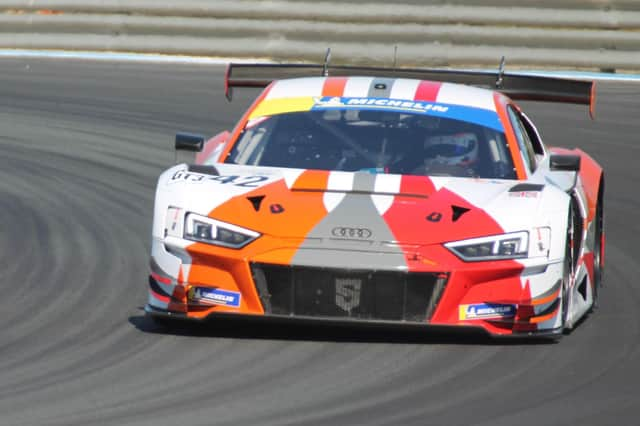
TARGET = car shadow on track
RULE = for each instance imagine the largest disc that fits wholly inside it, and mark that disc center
(296, 330)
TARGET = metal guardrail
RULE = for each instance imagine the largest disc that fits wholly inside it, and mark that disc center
(587, 34)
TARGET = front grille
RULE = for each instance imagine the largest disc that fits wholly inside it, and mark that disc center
(352, 294)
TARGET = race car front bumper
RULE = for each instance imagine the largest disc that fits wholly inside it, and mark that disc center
(502, 297)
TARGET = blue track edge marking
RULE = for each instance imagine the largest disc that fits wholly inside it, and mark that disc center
(585, 75)
(203, 60)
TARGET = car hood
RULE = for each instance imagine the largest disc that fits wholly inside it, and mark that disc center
(359, 209)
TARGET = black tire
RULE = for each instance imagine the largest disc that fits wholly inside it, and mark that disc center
(598, 258)
(566, 277)
(568, 266)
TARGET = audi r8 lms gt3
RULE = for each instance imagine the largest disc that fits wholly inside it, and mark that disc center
(356, 194)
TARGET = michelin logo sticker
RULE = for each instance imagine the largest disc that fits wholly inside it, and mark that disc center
(486, 311)
(484, 117)
(336, 102)
(328, 102)
(391, 103)
(215, 296)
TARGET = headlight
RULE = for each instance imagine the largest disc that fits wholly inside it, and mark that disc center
(506, 246)
(211, 231)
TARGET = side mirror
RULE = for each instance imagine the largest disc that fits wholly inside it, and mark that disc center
(564, 163)
(189, 142)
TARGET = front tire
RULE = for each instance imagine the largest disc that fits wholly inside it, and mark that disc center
(598, 247)
(568, 266)
(566, 281)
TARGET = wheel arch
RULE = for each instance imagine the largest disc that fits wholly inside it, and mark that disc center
(591, 176)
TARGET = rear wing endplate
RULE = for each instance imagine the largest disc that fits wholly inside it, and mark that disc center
(514, 85)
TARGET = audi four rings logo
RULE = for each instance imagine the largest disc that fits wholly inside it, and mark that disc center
(347, 232)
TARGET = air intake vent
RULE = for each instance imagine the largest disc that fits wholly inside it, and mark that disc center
(349, 294)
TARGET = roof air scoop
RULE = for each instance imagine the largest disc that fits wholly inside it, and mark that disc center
(256, 201)
(458, 212)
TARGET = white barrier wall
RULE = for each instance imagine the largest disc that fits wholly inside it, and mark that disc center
(589, 34)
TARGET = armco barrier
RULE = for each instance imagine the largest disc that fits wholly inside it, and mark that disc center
(589, 34)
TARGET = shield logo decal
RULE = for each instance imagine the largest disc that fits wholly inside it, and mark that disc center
(348, 293)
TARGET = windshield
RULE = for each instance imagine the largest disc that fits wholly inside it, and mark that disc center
(377, 141)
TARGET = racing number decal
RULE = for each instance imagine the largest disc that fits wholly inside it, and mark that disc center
(242, 181)
(251, 181)
(224, 179)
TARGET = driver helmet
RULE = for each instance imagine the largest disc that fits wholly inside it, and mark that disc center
(459, 149)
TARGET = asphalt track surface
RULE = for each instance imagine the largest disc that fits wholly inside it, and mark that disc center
(81, 145)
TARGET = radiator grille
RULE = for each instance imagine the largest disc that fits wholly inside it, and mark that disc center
(342, 293)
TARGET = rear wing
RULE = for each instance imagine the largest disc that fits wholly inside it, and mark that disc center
(514, 85)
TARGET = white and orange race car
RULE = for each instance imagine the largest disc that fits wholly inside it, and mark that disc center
(392, 196)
